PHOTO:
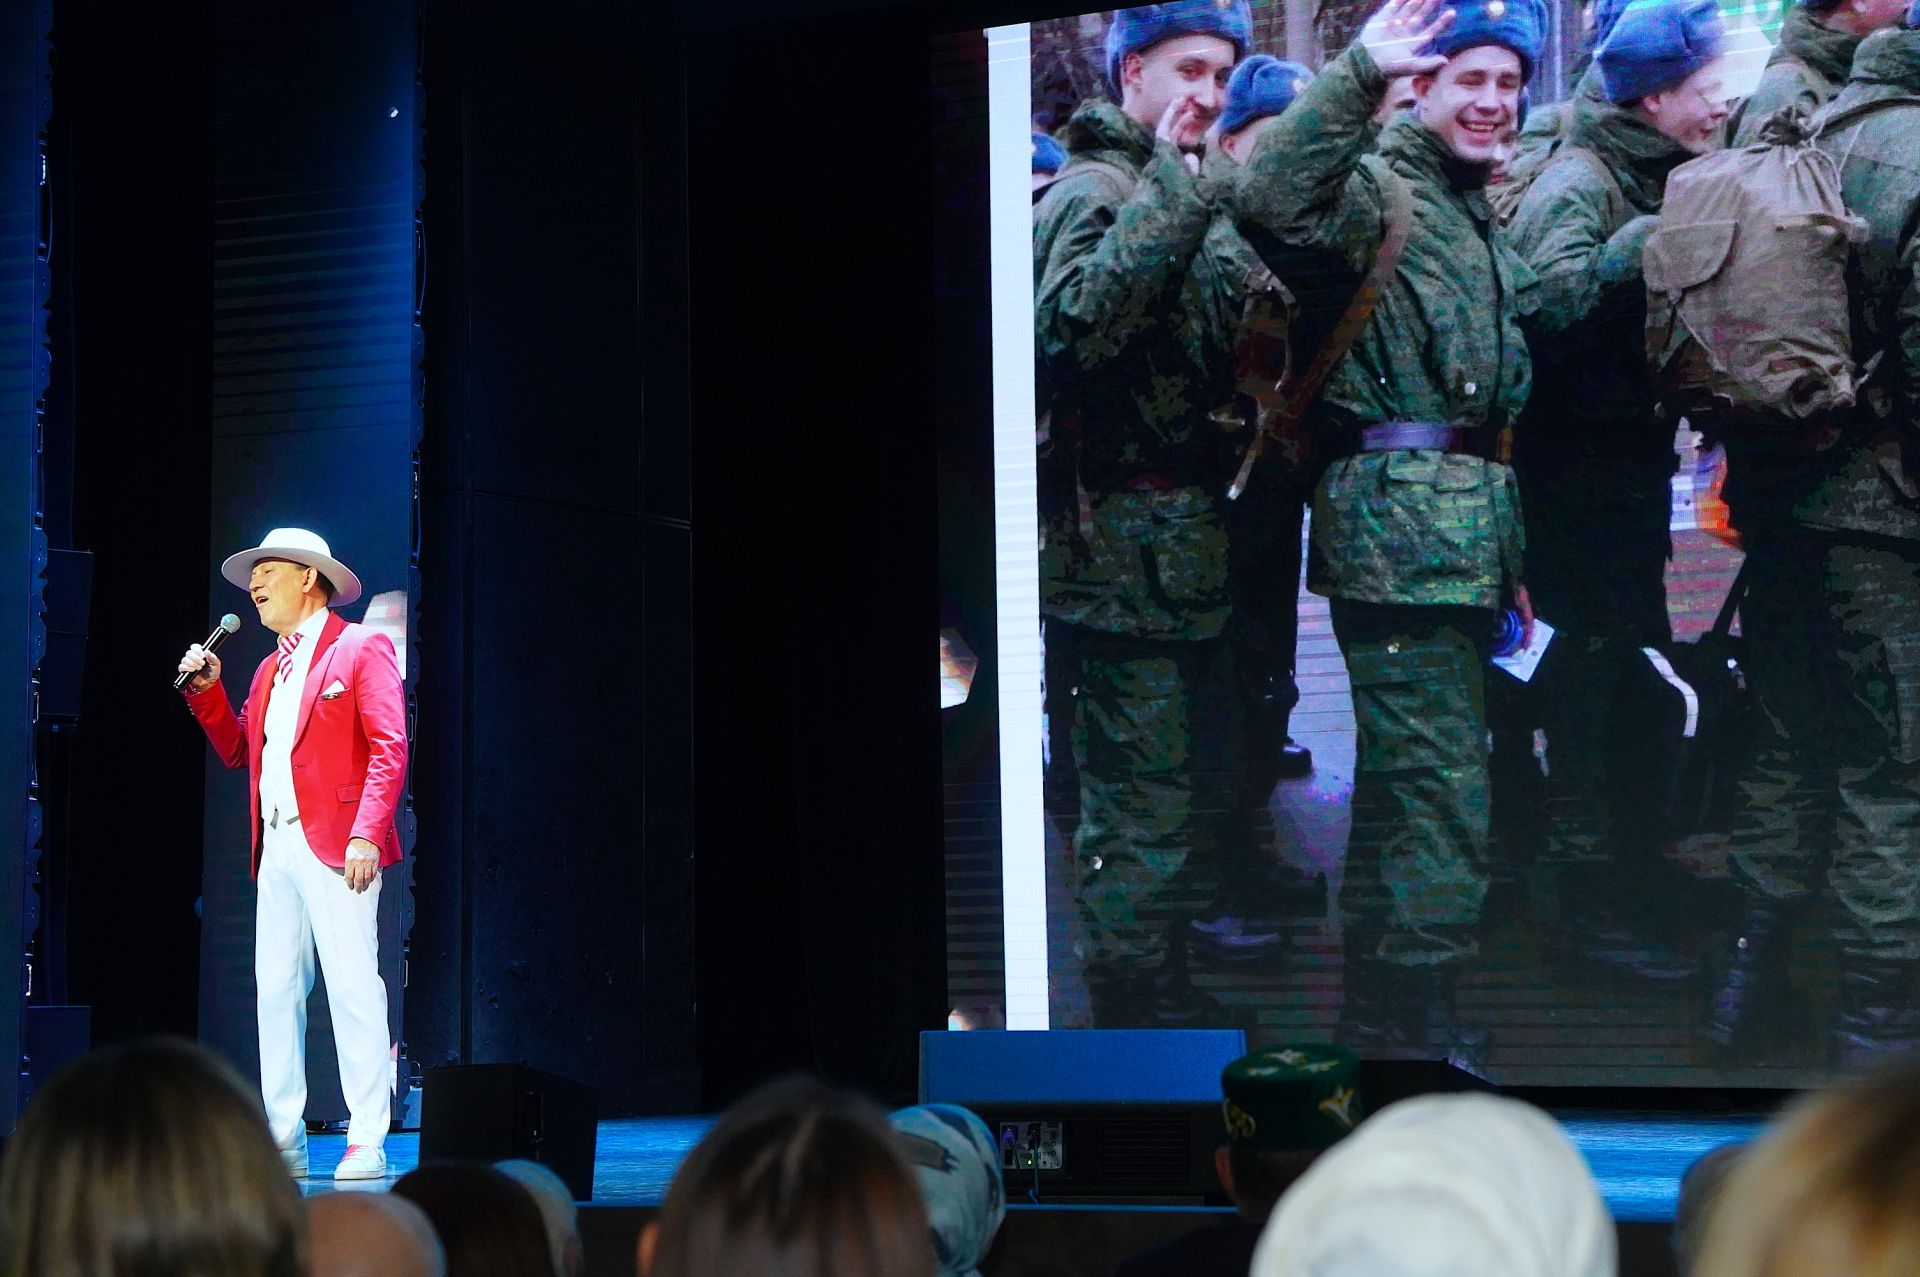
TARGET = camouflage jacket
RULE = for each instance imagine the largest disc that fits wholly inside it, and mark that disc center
(1582, 231)
(1137, 307)
(1865, 483)
(1443, 346)
(1547, 126)
(1807, 67)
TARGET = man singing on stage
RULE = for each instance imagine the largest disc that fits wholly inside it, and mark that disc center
(323, 737)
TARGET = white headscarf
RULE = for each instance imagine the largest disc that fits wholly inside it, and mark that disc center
(1444, 1186)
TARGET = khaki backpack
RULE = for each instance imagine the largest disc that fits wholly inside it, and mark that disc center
(1748, 333)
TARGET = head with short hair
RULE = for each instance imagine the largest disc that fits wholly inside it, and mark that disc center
(798, 1179)
(562, 1217)
(152, 1157)
(1831, 1187)
(488, 1223)
(372, 1234)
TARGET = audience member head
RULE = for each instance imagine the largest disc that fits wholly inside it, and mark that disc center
(488, 1223)
(798, 1180)
(1160, 56)
(1439, 1185)
(152, 1157)
(1699, 1190)
(1281, 1106)
(372, 1235)
(954, 1155)
(562, 1217)
(1832, 1187)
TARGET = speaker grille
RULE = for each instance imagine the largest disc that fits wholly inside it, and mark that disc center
(1146, 1152)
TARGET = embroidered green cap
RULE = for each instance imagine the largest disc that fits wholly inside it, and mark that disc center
(1291, 1097)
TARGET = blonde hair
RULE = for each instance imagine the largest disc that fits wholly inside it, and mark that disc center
(1832, 1187)
(148, 1158)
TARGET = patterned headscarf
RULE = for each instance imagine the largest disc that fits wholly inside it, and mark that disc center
(954, 1155)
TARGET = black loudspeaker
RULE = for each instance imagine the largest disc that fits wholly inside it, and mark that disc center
(491, 1112)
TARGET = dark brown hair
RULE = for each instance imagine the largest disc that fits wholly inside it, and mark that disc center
(149, 1158)
(797, 1180)
(488, 1222)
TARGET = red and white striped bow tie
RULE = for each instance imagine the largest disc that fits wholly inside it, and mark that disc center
(284, 661)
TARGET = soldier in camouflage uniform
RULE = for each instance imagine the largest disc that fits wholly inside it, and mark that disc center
(1546, 125)
(1595, 460)
(1416, 522)
(1831, 801)
(1810, 61)
(1137, 305)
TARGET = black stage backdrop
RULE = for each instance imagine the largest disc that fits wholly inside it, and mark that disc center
(678, 741)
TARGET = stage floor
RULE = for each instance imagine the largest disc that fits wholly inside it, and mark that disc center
(1637, 1158)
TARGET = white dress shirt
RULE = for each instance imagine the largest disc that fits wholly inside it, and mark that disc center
(283, 720)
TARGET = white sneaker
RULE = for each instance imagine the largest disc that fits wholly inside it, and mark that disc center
(363, 1161)
(294, 1156)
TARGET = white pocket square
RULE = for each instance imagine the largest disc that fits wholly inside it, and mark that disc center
(337, 689)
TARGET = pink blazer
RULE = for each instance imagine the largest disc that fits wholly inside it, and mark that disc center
(349, 749)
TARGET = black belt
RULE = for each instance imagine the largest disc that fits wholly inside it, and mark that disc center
(1485, 442)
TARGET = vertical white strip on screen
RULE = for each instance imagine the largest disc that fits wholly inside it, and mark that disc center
(1016, 524)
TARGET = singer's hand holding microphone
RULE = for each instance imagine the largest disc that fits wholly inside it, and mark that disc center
(200, 668)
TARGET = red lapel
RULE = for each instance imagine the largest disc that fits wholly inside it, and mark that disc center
(317, 671)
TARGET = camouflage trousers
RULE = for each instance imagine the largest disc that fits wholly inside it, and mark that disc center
(1416, 868)
(1832, 626)
(1156, 744)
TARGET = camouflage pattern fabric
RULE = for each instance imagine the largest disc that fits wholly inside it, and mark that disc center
(1156, 744)
(1547, 125)
(1808, 65)
(1137, 307)
(1833, 653)
(1594, 457)
(1416, 872)
(1443, 345)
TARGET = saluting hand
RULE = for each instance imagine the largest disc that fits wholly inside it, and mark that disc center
(1394, 36)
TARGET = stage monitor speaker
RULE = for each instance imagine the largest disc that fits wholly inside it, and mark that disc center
(491, 1112)
(1092, 1115)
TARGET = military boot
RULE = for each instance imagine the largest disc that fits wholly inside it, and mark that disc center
(1878, 1015)
(1748, 1003)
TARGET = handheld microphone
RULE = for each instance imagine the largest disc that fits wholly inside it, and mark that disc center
(229, 624)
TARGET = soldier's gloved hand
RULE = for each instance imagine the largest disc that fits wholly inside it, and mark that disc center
(1395, 36)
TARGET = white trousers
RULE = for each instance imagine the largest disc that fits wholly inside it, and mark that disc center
(306, 906)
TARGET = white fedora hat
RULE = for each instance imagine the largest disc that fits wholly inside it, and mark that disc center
(309, 549)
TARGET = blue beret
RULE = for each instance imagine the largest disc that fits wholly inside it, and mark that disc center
(1913, 13)
(1263, 85)
(1656, 44)
(1048, 155)
(1146, 25)
(1520, 25)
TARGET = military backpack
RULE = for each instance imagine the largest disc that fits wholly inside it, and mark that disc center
(1748, 332)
